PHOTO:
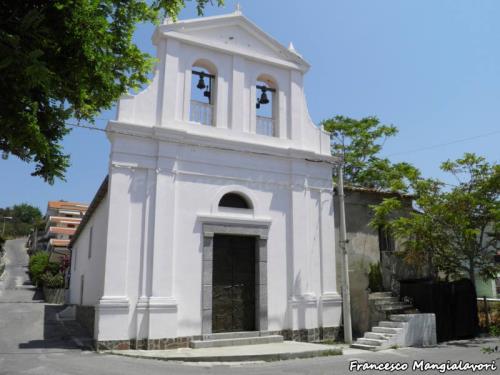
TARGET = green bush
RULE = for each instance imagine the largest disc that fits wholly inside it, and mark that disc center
(375, 283)
(52, 281)
(53, 268)
(2, 241)
(37, 266)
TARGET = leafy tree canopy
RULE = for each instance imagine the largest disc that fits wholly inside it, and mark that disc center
(64, 59)
(23, 217)
(359, 143)
(456, 229)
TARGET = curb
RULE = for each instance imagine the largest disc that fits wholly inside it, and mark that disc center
(238, 358)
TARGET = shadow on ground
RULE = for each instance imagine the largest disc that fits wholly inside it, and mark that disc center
(478, 342)
(59, 334)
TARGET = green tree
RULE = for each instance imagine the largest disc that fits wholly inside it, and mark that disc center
(359, 143)
(456, 229)
(24, 216)
(67, 59)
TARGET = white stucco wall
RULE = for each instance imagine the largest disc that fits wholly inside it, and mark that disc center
(167, 175)
(91, 267)
(186, 183)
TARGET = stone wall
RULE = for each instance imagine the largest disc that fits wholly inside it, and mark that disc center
(85, 315)
(304, 335)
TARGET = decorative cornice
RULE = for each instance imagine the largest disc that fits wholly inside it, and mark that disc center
(186, 136)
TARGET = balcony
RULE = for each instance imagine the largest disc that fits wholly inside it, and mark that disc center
(201, 113)
(265, 126)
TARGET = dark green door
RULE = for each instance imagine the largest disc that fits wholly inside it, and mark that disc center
(233, 297)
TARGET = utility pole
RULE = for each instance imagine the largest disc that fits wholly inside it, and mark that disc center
(346, 291)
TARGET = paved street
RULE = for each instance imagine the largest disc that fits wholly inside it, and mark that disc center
(32, 341)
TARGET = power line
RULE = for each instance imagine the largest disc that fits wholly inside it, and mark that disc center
(261, 153)
(444, 144)
(191, 144)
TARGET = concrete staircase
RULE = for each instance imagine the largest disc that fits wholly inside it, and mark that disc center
(217, 340)
(401, 330)
(384, 335)
(385, 302)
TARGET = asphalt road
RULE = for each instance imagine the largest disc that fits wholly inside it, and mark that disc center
(32, 341)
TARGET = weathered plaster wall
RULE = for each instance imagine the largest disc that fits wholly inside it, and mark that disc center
(363, 248)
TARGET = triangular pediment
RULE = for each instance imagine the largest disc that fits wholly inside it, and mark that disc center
(233, 33)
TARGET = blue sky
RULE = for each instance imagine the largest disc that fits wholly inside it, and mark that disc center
(432, 68)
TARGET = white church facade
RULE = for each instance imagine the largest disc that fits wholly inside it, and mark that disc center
(217, 213)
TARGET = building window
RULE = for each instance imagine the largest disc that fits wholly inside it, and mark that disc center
(202, 94)
(90, 241)
(234, 200)
(385, 239)
(266, 107)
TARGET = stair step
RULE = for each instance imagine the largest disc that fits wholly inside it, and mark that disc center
(375, 342)
(236, 341)
(393, 331)
(234, 335)
(386, 300)
(389, 324)
(365, 347)
(379, 295)
(395, 307)
(378, 335)
(400, 317)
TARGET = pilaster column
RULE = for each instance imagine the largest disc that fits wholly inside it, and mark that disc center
(238, 120)
(330, 298)
(162, 303)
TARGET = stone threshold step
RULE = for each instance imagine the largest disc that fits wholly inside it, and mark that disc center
(373, 348)
(198, 344)
(267, 352)
(234, 335)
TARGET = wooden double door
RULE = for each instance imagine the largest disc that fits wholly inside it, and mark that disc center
(233, 295)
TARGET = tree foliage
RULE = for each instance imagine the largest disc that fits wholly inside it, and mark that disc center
(67, 59)
(359, 143)
(456, 229)
(23, 217)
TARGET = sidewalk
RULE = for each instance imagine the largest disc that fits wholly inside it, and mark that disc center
(243, 353)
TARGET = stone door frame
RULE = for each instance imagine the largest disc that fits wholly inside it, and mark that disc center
(260, 232)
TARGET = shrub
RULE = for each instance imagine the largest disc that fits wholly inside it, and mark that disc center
(375, 283)
(52, 281)
(37, 266)
(53, 268)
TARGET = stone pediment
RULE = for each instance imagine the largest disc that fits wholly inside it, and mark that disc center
(235, 34)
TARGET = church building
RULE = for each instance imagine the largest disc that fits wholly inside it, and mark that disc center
(217, 212)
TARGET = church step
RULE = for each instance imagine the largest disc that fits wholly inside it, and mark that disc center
(234, 335)
(389, 324)
(374, 342)
(395, 307)
(197, 344)
(386, 300)
(365, 347)
(400, 317)
(379, 295)
(378, 336)
(393, 331)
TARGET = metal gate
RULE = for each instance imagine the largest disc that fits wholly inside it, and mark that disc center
(453, 303)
